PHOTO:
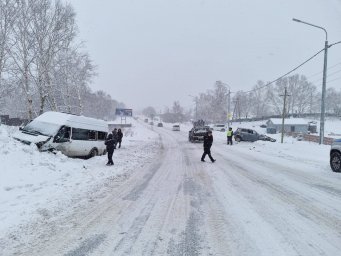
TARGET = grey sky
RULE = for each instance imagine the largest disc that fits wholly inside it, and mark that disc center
(152, 52)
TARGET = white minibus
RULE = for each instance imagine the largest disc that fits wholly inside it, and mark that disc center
(74, 136)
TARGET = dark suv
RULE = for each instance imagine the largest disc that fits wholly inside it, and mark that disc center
(197, 134)
(243, 134)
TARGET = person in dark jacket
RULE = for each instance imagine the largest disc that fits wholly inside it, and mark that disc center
(115, 136)
(119, 137)
(208, 141)
(110, 143)
(229, 136)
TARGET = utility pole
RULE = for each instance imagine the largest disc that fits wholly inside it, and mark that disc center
(228, 108)
(323, 92)
(235, 109)
(196, 108)
(284, 111)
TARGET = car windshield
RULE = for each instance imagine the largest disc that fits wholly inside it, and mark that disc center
(42, 128)
(200, 130)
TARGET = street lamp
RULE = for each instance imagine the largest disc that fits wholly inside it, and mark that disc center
(323, 80)
(196, 106)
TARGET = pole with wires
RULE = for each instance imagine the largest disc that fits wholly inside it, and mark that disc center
(326, 46)
(284, 111)
(228, 109)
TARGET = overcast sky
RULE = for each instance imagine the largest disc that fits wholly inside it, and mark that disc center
(152, 52)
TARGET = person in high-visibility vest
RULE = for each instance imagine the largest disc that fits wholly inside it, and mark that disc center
(229, 136)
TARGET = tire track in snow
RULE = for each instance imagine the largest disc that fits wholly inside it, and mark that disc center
(296, 208)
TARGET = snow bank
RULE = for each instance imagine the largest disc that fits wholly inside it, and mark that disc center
(37, 185)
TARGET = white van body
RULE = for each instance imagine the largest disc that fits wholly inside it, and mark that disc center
(74, 136)
(219, 127)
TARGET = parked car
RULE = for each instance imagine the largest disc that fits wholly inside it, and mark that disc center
(146, 120)
(74, 136)
(219, 127)
(176, 127)
(160, 125)
(243, 134)
(335, 156)
(300, 137)
(263, 125)
(151, 123)
(196, 134)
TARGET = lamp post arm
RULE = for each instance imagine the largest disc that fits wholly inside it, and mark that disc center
(307, 23)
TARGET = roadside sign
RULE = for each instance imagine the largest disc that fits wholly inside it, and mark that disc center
(124, 112)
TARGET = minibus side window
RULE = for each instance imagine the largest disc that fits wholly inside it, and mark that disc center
(80, 134)
(92, 135)
(102, 135)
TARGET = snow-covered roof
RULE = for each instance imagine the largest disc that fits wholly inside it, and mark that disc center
(73, 121)
(291, 121)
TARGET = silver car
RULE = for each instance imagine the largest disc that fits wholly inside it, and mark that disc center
(335, 156)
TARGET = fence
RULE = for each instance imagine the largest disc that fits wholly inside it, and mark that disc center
(5, 119)
(312, 138)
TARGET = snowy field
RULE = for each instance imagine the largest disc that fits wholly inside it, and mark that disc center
(176, 204)
(37, 187)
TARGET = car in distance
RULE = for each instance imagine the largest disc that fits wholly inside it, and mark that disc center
(160, 125)
(146, 120)
(176, 127)
(219, 127)
(335, 156)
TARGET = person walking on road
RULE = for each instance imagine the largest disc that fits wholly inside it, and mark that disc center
(208, 141)
(119, 137)
(229, 136)
(115, 136)
(111, 144)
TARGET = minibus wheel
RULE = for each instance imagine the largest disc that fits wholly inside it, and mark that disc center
(93, 153)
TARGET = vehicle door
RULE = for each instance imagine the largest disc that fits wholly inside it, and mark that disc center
(62, 140)
(83, 141)
(255, 136)
(246, 134)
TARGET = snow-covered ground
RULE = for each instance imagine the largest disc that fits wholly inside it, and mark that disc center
(37, 186)
(259, 198)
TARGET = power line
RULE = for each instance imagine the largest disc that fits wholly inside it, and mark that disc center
(329, 75)
(266, 85)
(334, 80)
(294, 69)
(310, 76)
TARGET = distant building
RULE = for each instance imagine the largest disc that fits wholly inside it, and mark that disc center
(298, 125)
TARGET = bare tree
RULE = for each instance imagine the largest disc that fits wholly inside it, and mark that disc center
(259, 100)
(8, 16)
(53, 30)
(22, 53)
(71, 74)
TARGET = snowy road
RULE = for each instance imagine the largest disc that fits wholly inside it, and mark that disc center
(240, 205)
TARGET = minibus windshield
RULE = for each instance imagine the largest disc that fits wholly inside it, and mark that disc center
(42, 128)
